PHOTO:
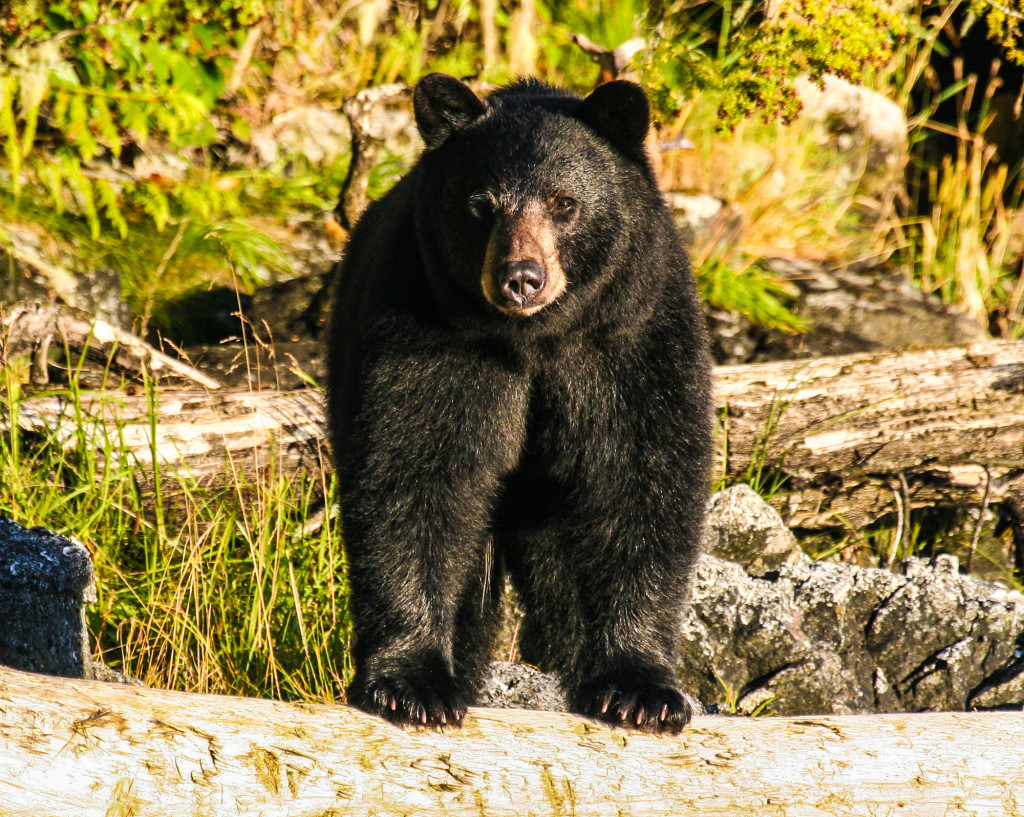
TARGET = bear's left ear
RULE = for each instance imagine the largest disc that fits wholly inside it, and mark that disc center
(443, 105)
(619, 112)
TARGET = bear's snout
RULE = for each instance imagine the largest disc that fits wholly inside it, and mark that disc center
(522, 270)
(521, 282)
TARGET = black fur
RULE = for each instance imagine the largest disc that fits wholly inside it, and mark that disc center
(569, 448)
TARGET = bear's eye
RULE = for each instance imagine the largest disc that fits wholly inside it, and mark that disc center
(481, 205)
(563, 207)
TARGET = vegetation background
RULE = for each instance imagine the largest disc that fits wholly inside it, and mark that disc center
(128, 133)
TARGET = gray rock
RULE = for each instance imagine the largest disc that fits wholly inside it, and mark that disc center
(734, 337)
(1005, 690)
(99, 293)
(863, 308)
(291, 310)
(774, 631)
(743, 528)
(36, 266)
(828, 637)
(520, 686)
(693, 213)
(858, 118)
(318, 134)
(859, 308)
(322, 136)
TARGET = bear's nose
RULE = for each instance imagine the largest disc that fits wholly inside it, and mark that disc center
(521, 281)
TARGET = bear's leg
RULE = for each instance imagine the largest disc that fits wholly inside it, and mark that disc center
(477, 625)
(433, 436)
(433, 683)
(606, 618)
(633, 575)
(614, 493)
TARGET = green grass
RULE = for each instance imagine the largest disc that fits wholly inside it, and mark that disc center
(751, 291)
(217, 590)
(961, 248)
(217, 233)
(984, 548)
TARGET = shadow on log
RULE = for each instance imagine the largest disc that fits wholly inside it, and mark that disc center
(87, 749)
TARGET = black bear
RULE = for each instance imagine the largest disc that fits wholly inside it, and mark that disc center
(519, 385)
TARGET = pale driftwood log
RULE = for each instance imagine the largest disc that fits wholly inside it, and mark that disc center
(84, 748)
(859, 436)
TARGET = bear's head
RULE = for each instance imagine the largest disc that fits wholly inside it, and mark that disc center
(525, 197)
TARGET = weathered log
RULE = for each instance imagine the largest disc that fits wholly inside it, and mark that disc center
(856, 436)
(31, 327)
(862, 435)
(198, 433)
(85, 748)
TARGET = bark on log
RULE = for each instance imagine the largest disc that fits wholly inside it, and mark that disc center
(84, 748)
(858, 436)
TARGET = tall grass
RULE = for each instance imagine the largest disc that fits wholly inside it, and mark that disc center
(959, 247)
(956, 235)
(791, 193)
(798, 193)
(210, 589)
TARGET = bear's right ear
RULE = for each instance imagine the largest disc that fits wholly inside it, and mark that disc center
(443, 105)
(619, 112)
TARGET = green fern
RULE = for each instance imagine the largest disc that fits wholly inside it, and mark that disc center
(80, 81)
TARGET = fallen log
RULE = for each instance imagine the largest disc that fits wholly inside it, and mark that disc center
(862, 435)
(31, 327)
(855, 437)
(201, 433)
(83, 748)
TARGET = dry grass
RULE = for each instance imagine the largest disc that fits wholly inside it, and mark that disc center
(217, 590)
(799, 194)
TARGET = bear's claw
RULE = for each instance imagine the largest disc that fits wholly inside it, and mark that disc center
(409, 701)
(633, 702)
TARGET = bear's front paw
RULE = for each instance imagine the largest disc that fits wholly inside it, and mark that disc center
(410, 697)
(638, 699)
